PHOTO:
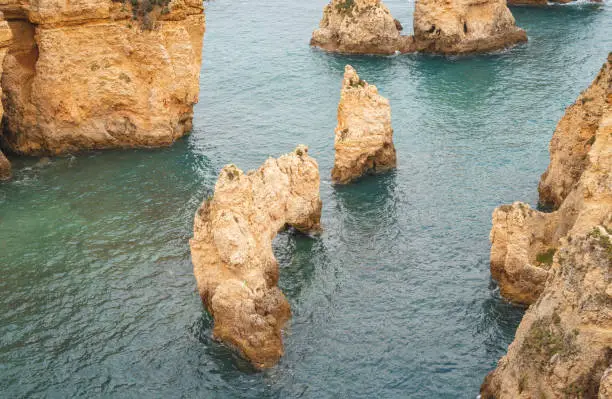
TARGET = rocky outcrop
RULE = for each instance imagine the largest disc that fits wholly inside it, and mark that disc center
(574, 138)
(5, 41)
(563, 345)
(440, 26)
(464, 26)
(231, 250)
(364, 137)
(361, 27)
(94, 74)
(579, 181)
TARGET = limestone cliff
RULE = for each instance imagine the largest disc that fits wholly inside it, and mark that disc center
(564, 342)
(464, 26)
(573, 139)
(5, 41)
(523, 240)
(231, 250)
(363, 137)
(92, 74)
(362, 27)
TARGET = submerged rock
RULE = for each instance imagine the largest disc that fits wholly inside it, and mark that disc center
(360, 27)
(364, 136)
(231, 250)
(578, 182)
(464, 26)
(5, 168)
(85, 75)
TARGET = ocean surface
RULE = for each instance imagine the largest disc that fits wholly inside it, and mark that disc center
(393, 300)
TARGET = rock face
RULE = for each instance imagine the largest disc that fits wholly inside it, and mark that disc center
(561, 263)
(361, 27)
(86, 75)
(578, 183)
(564, 342)
(364, 137)
(231, 250)
(464, 26)
(5, 41)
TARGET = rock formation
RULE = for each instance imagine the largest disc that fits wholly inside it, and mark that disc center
(231, 250)
(564, 342)
(440, 26)
(578, 183)
(464, 26)
(364, 137)
(5, 41)
(93, 74)
(362, 27)
(561, 262)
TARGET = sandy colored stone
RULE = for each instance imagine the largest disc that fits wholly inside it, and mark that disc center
(360, 27)
(521, 236)
(364, 136)
(83, 75)
(464, 26)
(563, 345)
(231, 250)
(573, 139)
(5, 41)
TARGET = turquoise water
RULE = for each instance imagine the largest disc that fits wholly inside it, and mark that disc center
(394, 299)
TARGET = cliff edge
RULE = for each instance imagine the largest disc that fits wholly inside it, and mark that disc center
(94, 74)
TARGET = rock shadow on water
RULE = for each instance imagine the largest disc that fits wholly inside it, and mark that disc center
(367, 209)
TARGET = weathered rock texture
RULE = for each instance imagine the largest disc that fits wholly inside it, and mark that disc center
(440, 26)
(464, 26)
(578, 183)
(364, 137)
(5, 41)
(563, 345)
(231, 250)
(85, 75)
(362, 27)
(564, 342)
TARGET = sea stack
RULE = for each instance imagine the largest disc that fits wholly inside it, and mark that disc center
(360, 27)
(364, 136)
(231, 250)
(5, 41)
(577, 184)
(561, 263)
(94, 74)
(464, 26)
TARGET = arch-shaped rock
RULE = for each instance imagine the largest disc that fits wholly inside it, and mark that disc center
(231, 250)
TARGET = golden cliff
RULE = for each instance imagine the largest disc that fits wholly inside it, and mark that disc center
(360, 26)
(440, 26)
(578, 183)
(94, 74)
(363, 137)
(5, 41)
(561, 263)
(231, 250)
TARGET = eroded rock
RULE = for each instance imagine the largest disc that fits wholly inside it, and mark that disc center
(84, 75)
(464, 26)
(563, 345)
(524, 241)
(5, 41)
(364, 136)
(231, 250)
(361, 27)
